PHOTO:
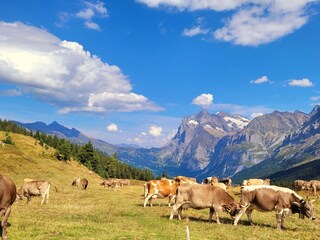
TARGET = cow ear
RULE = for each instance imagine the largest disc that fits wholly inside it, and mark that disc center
(296, 204)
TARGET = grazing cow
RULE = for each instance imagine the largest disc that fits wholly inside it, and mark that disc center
(183, 179)
(112, 182)
(298, 184)
(84, 183)
(35, 188)
(312, 185)
(76, 182)
(199, 196)
(256, 181)
(8, 194)
(160, 188)
(226, 181)
(267, 198)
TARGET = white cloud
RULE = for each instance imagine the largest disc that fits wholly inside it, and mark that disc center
(305, 82)
(203, 100)
(92, 25)
(253, 115)
(260, 80)
(315, 98)
(155, 131)
(90, 12)
(194, 31)
(112, 128)
(63, 73)
(252, 22)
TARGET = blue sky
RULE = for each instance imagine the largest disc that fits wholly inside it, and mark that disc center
(128, 71)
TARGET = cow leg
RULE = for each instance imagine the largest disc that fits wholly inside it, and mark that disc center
(217, 215)
(4, 223)
(248, 212)
(210, 214)
(28, 199)
(176, 207)
(180, 213)
(148, 199)
(239, 214)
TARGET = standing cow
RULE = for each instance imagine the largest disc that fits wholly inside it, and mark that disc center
(200, 196)
(268, 198)
(35, 188)
(8, 193)
(84, 183)
(164, 188)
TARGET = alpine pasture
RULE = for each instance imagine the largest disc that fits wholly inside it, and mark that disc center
(102, 213)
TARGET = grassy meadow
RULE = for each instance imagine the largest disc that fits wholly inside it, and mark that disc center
(100, 213)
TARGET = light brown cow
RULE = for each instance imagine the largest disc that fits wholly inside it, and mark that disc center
(111, 182)
(220, 185)
(84, 183)
(273, 198)
(183, 179)
(200, 196)
(160, 188)
(35, 188)
(312, 185)
(8, 194)
(256, 181)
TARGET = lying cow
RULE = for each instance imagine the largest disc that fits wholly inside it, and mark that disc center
(165, 188)
(76, 182)
(267, 198)
(200, 196)
(256, 181)
(8, 193)
(35, 188)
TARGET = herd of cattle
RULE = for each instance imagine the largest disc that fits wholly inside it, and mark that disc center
(212, 193)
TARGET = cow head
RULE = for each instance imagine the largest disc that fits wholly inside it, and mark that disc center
(306, 209)
(232, 210)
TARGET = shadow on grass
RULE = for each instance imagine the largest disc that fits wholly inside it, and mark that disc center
(223, 220)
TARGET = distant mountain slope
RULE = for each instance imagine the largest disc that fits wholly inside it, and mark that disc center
(255, 143)
(196, 138)
(298, 148)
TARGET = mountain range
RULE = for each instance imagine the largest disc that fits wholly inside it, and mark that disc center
(223, 145)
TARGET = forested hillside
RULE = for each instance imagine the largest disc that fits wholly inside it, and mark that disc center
(63, 150)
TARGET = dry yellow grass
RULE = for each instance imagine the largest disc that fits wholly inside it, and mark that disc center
(99, 213)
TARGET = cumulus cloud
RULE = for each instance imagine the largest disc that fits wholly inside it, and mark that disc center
(88, 13)
(155, 131)
(203, 100)
(305, 82)
(251, 22)
(260, 80)
(63, 73)
(112, 128)
(194, 31)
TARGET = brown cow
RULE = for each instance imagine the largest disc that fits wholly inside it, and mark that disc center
(312, 185)
(111, 182)
(165, 188)
(8, 194)
(299, 184)
(200, 196)
(256, 181)
(84, 183)
(35, 188)
(268, 198)
(183, 179)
